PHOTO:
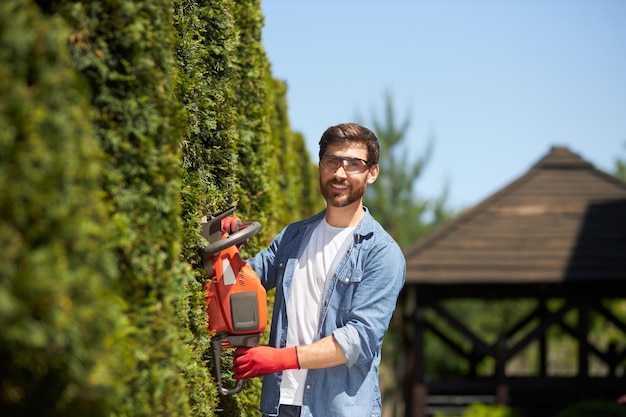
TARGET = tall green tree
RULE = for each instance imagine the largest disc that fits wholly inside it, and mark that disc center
(296, 175)
(393, 198)
(620, 168)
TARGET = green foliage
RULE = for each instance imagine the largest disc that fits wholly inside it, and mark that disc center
(256, 166)
(297, 175)
(486, 318)
(104, 182)
(207, 39)
(126, 51)
(485, 410)
(62, 349)
(393, 199)
(594, 408)
(236, 148)
(489, 410)
(620, 168)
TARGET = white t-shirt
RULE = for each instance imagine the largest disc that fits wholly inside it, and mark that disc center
(304, 304)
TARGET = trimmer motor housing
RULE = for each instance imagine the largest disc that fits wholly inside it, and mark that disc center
(236, 300)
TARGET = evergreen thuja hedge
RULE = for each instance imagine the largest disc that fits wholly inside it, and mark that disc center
(206, 40)
(237, 148)
(62, 339)
(302, 198)
(126, 50)
(123, 122)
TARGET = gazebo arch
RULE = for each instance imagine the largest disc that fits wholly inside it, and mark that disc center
(556, 232)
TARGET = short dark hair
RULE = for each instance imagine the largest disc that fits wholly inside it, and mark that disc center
(351, 132)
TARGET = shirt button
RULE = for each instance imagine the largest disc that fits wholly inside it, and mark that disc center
(308, 386)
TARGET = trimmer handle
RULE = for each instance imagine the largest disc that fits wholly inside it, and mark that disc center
(216, 343)
(246, 231)
(212, 231)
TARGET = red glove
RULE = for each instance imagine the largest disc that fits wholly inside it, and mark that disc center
(231, 224)
(261, 360)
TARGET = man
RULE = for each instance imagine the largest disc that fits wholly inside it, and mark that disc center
(337, 277)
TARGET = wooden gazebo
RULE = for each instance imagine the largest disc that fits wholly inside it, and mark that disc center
(556, 233)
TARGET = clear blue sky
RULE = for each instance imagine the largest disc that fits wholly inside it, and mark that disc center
(496, 83)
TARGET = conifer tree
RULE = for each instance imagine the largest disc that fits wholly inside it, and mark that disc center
(620, 169)
(393, 198)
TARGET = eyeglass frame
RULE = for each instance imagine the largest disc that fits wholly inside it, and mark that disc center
(342, 161)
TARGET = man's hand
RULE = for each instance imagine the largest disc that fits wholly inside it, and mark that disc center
(231, 224)
(261, 360)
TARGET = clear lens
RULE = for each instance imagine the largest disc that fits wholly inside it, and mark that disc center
(351, 165)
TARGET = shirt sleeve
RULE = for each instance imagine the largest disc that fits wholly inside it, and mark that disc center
(372, 305)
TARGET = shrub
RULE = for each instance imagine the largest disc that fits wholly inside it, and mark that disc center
(486, 410)
(595, 408)
(62, 343)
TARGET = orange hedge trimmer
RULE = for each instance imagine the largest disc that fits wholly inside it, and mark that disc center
(236, 300)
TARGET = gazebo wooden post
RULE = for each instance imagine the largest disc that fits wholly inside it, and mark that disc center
(419, 394)
(543, 344)
(502, 388)
(583, 331)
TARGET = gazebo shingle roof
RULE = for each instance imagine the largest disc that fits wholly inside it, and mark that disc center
(564, 220)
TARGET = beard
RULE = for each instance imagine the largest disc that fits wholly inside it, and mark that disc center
(341, 197)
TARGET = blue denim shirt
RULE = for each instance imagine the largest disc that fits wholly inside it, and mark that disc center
(359, 298)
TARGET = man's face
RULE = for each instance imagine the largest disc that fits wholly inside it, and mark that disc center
(339, 188)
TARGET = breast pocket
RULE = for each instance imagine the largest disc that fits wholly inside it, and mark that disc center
(345, 287)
